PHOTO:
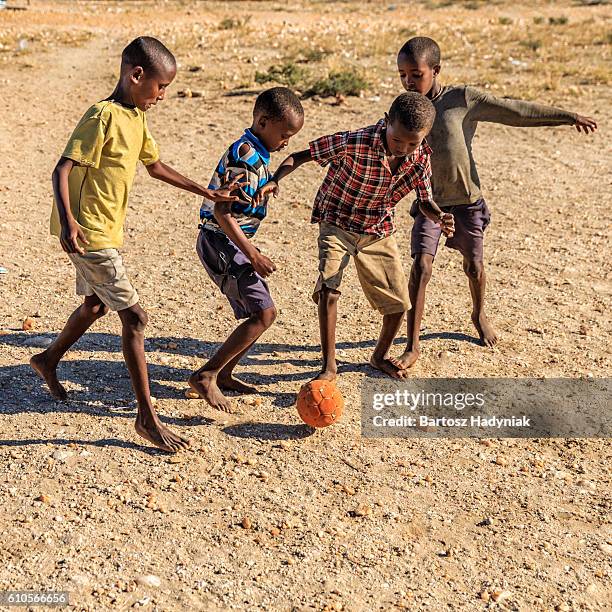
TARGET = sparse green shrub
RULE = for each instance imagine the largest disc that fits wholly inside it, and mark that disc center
(339, 82)
(289, 74)
(558, 20)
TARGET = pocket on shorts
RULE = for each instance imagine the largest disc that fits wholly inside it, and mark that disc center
(414, 209)
(486, 214)
(99, 268)
(209, 250)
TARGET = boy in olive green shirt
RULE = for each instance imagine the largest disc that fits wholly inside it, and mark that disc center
(455, 182)
(91, 184)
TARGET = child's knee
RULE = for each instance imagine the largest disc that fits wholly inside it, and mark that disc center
(329, 296)
(100, 310)
(95, 308)
(473, 268)
(267, 316)
(423, 266)
(134, 319)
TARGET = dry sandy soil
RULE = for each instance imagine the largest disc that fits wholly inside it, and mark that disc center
(337, 522)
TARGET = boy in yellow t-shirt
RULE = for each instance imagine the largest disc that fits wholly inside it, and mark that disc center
(91, 183)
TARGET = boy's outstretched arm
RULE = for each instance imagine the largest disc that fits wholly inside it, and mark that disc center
(519, 113)
(291, 163)
(161, 171)
(71, 232)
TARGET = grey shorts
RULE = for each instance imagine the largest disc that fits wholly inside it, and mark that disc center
(471, 220)
(231, 270)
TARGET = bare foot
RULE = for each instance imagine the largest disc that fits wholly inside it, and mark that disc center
(326, 374)
(160, 436)
(388, 367)
(406, 360)
(205, 385)
(486, 331)
(230, 383)
(49, 375)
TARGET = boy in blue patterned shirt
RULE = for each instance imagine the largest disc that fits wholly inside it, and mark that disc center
(224, 247)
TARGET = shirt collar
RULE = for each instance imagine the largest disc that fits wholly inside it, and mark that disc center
(257, 145)
(377, 142)
(379, 146)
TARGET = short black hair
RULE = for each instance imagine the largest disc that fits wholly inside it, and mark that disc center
(421, 47)
(149, 53)
(277, 102)
(413, 110)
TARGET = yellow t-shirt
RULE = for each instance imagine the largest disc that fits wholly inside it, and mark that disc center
(106, 144)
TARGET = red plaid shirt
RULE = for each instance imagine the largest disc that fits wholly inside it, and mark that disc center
(359, 193)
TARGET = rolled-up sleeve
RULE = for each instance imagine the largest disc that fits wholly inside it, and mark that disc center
(422, 188)
(328, 149)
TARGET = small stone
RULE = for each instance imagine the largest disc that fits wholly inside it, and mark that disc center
(562, 607)
(484, 595)
(500, 461)
(499, 595)
(246, 523)
(348, 490)
(191, 394)
(148, 580)
(40, 341)
(62, 455)
(606, 548)
(485, 522)
(284, 445)
(45, 499)
(172, 345)
(586, 484)
(362, 510)
(274, 531)
(28, 324)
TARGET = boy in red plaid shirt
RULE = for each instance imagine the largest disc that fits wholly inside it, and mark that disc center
(370, 171)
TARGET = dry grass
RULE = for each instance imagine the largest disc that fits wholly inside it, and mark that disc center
(512, 49)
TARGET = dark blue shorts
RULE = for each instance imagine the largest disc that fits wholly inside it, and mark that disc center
(470, 223)
(233, 273)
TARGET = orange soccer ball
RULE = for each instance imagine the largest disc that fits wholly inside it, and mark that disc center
(319, 403)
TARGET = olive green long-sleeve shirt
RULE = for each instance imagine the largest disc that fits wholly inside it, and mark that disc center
(458, 111)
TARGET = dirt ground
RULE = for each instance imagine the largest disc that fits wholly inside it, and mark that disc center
(337, 522)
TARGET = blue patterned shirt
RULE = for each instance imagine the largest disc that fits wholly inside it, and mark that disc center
(254, 164)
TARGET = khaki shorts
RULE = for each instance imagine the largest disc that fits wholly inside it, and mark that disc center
(377, 261)
(102, 273)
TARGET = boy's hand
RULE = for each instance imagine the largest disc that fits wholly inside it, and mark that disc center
(70, 235)
(262, 192)
(447, 222)
(263, 265)
(224, 193)
(585, 124)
